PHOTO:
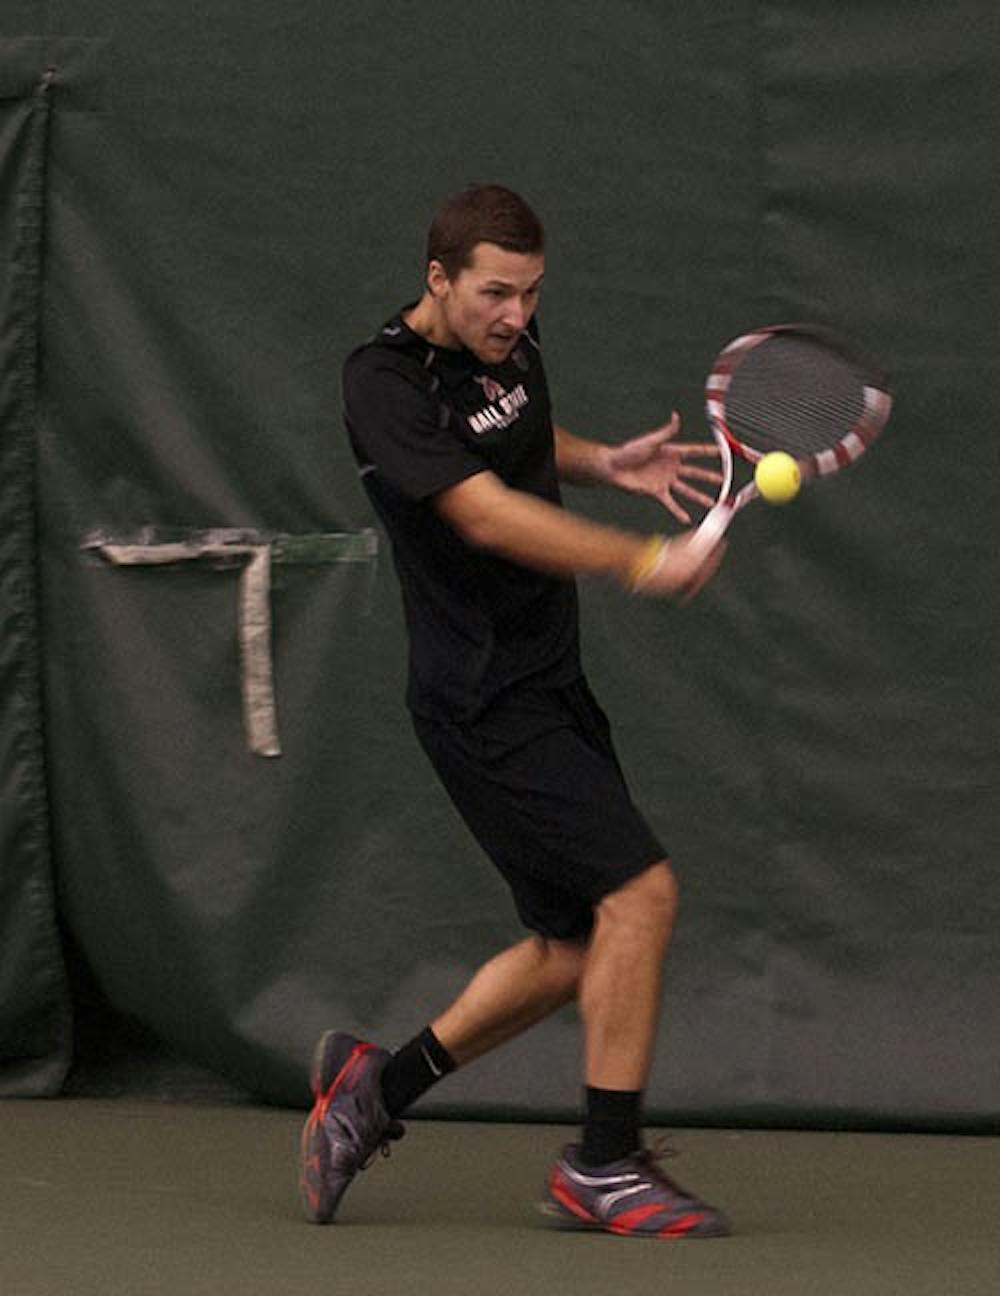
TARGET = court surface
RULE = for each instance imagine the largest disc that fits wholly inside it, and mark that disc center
(125, 1198)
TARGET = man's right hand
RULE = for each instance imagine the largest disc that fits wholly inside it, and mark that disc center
(681, 568)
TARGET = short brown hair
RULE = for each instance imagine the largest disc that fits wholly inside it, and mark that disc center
(482, 214)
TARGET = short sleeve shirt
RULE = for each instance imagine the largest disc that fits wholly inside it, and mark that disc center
(420, 420)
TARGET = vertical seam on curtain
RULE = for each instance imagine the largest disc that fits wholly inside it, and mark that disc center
(25, 317)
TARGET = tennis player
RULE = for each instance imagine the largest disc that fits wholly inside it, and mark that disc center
(448, 414)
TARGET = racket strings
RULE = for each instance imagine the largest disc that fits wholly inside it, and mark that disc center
(795, 394)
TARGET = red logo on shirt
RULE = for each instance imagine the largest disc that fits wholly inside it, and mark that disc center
(491, 387)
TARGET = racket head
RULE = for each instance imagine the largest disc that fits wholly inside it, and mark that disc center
(800, 388)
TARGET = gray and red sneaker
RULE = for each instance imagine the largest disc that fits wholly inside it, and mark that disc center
(632, 1197)
(348, 1123)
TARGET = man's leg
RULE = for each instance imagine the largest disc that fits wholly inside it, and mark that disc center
(620, 983)
(511, 992)
(609, 1181)
(616, 977)
(619, 1004)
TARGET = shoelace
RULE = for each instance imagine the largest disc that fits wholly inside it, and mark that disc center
(393, 1131)
(661, 1149)
(652, 1157)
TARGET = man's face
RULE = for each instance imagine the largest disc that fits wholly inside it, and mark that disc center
(486, 306)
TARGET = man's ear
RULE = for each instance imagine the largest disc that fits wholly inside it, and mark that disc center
(438, 282)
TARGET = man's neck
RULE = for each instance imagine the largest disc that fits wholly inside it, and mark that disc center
(425, 319)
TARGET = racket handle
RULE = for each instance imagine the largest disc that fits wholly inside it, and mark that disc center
(713, 527)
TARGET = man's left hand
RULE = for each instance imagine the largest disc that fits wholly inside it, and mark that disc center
(655, 464)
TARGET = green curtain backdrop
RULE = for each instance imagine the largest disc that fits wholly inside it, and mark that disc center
(234, 195)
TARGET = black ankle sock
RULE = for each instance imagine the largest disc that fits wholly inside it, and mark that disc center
(412, 1070)
(611, 1127)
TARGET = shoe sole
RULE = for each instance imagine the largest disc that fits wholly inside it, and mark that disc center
(318, 1204)
(562, 1218)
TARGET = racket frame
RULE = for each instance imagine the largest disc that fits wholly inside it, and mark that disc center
(876, 408)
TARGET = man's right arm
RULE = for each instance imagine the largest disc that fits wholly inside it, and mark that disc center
(530, 531)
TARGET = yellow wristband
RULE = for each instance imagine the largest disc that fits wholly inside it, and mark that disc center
(645, 562)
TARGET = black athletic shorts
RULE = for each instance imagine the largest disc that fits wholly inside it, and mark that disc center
(537, 781)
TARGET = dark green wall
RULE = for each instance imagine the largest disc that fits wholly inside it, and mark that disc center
(233, 200)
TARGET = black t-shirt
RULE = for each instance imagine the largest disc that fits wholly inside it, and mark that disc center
(421, 419)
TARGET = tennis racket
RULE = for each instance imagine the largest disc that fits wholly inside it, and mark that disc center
(792, 387)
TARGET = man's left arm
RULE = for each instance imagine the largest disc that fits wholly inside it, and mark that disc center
(652, 464)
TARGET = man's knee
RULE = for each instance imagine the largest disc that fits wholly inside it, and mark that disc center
(647, 900)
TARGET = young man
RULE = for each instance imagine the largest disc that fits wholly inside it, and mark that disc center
(448, 413)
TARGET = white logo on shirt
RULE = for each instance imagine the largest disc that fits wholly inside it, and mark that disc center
(504, 408)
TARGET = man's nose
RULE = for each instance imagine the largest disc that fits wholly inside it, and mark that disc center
(515, 314)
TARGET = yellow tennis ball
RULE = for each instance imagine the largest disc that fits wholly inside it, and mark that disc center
(778, 478)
